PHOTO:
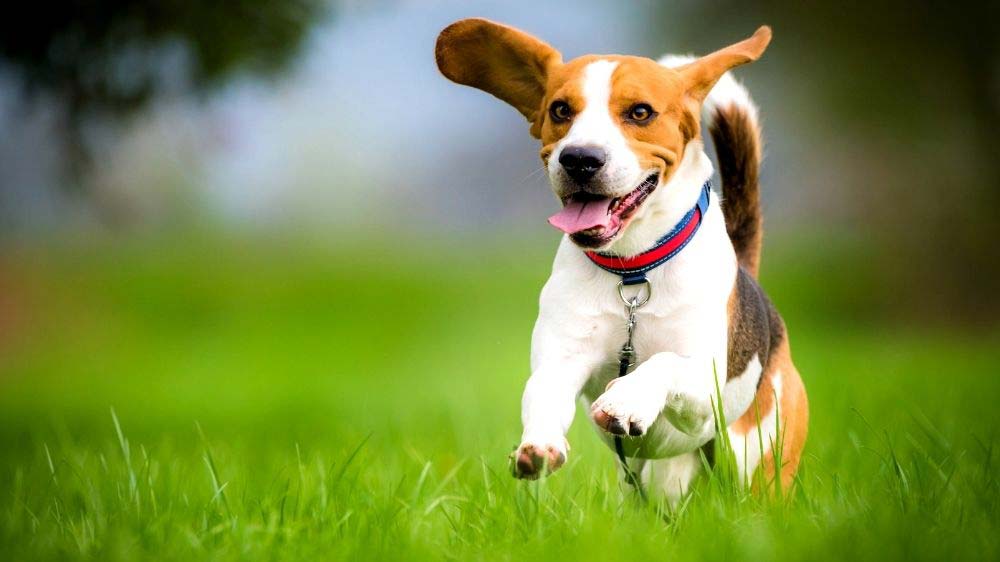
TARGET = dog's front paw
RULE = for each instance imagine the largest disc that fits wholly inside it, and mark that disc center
(530, 459)
(626, 407)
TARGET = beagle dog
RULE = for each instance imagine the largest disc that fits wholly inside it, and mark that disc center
(621, 142)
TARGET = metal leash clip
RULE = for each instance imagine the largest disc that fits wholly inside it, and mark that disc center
(626, 360)
(631, 305)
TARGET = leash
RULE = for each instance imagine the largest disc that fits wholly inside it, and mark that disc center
(633, 272)
(626, 360)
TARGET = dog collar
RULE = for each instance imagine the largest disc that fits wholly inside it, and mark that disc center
(633, 269)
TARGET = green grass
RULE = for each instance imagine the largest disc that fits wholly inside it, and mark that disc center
(225, 401)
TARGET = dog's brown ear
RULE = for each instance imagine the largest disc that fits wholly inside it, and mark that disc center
(501, 60)
(703, 73)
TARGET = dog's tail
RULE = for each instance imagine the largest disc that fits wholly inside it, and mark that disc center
(735, 129)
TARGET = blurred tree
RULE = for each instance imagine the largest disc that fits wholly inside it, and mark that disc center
(906, 99)
(103, 60)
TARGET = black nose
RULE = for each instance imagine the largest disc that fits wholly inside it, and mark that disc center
(582, 162)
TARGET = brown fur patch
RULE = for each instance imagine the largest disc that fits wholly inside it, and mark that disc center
(754, 325)
(506, 62)
(794, 410)
(737, 146)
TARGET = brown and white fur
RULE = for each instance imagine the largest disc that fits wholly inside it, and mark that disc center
(707, 317)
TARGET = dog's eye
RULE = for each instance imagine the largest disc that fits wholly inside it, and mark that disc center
(560, 111)
(640, 112)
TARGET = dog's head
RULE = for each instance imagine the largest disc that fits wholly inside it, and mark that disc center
(613, 128)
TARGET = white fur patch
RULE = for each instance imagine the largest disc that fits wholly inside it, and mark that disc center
(594, 126)
(671, 478)
(673, 61)
(751, 447)
(738, 393)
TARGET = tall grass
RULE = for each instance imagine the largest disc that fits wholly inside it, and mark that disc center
(228, 408)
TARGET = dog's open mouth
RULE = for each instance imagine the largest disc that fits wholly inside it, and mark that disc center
(592, 220)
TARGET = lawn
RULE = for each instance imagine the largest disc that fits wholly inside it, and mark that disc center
(226, 400)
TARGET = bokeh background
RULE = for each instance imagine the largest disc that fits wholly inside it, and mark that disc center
(330, 119)
(277, 219)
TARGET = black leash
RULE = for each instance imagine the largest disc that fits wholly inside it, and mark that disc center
(626, 360)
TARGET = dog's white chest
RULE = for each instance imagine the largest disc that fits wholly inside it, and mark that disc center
(684, 334)
(583, 315)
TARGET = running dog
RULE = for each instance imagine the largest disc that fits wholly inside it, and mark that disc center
(621, 142)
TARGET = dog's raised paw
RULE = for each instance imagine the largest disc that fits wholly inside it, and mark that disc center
(624, 409)
(531, 460)
(615, 425)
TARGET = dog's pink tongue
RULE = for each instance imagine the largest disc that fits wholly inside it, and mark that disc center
(582, 215)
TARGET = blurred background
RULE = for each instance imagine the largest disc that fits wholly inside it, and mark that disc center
(277, 220)
(329, 120)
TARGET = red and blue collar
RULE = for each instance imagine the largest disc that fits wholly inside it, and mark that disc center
(633, 269)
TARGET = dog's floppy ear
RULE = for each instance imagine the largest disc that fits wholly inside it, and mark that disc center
(703, 73)
(501, 60)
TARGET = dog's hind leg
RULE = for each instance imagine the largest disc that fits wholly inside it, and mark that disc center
(768, 439)
(670, 478)
(794, 413)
